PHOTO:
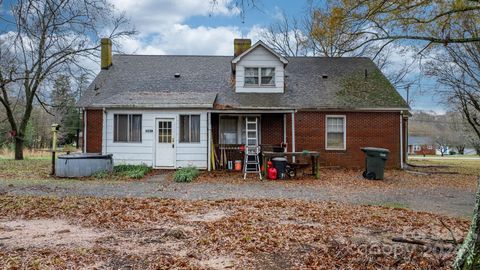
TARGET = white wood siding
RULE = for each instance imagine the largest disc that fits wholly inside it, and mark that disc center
(259, 57)
(187, 154)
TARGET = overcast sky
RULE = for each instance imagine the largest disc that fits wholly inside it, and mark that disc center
(197, 27)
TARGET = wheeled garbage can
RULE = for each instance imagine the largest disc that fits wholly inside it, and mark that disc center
(280, 164)
(375, 159)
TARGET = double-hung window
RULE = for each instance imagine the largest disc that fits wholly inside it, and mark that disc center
(190, 128)
(127, 128)
(233, 129)
(259, 76)
(335, 132)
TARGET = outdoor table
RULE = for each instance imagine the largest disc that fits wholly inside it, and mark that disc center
(312, 154)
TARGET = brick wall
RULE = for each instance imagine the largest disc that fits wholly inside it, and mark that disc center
(272, 129)
(424, 150)
(374, 129)
(94, 130)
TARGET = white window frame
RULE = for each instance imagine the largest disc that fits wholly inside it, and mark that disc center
(189, 128)
(259, 77)
(344, 132)
(129, 121)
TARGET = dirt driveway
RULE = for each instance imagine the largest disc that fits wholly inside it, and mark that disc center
(442, 194)
(127, 233)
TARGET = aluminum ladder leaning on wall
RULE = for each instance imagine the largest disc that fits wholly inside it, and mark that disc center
(251, 163)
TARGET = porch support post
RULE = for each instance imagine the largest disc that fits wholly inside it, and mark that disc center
(209, 141)
(293, 135)
(284, 128)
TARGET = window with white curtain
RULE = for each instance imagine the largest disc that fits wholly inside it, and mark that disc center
(256, 76)
(190, 128)
(233, 129)
(127, 128)
(335, 132)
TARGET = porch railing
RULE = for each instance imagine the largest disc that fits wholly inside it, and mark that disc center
(232, 152)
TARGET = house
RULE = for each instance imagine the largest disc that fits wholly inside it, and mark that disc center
(172, 111)
(421, 145)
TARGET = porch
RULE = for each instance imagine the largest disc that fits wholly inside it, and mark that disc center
(272, 131)
(229, 133)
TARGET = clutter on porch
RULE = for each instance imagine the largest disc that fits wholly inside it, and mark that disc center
(271, 161)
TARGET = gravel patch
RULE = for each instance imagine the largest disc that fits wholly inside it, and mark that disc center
(452, 200)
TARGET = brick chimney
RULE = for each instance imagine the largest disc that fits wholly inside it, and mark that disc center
(240, 45)
(106, 53)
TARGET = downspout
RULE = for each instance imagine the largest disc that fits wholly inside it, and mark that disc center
(401, 140)
(293, 135)
(104, 135)
(406, 142)
(84, 130)
(209, 141)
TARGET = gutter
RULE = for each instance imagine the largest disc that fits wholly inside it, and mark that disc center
(355, 109)
(243, 109)
(253, 111)
(153, 106)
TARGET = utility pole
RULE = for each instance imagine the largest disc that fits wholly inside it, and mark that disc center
(407, 88)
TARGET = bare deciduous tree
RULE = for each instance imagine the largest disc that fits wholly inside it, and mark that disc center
(49, 37)
(434, 22)
(458, 68)
(317, 34)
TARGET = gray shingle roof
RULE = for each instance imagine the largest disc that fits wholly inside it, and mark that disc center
(159, 99)
(139, 80)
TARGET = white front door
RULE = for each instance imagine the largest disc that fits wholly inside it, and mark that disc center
(165, 143)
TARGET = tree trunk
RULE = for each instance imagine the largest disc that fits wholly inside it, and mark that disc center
(19, 148)
(468, 256)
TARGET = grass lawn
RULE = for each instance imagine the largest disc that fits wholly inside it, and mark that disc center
(39, 168)
(29, 168)
(448, 164)
(88, 233)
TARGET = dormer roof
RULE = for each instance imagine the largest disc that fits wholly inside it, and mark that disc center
(260, 43)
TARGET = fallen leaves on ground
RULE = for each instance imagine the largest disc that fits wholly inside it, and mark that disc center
(352, 179)
(239, 234)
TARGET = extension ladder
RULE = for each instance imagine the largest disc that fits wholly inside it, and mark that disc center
(252, 150)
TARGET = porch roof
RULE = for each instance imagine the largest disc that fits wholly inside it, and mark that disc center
(152, 99)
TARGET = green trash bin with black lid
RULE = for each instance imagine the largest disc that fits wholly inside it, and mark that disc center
(375, 159)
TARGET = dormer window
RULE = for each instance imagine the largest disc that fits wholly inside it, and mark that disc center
(259, 76)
